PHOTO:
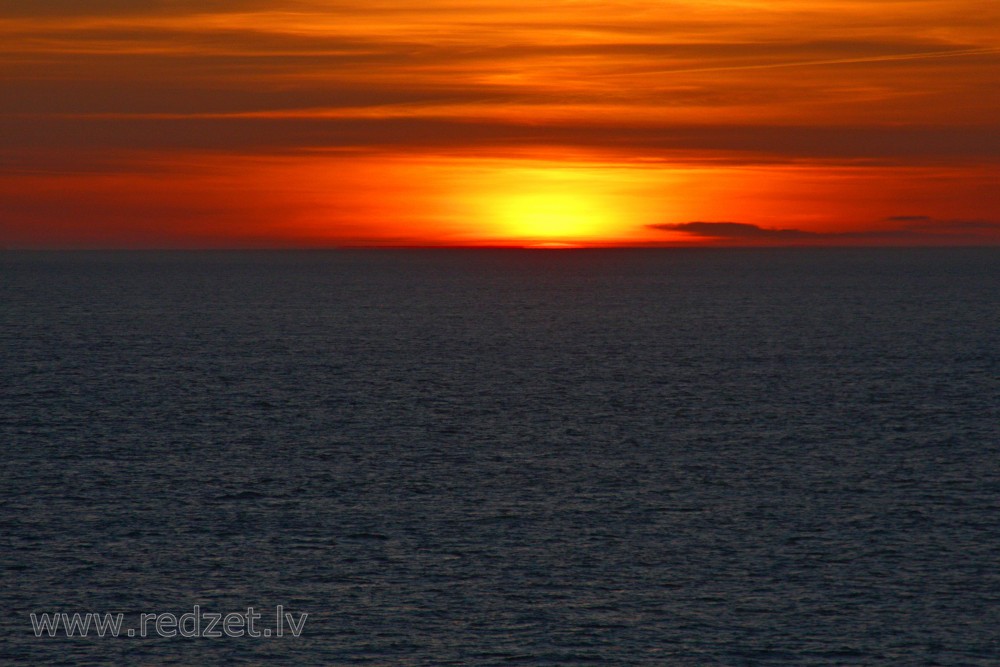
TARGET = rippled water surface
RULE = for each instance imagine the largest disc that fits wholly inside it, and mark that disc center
(507, 457)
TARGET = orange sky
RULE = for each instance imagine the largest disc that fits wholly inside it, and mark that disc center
(288, 123)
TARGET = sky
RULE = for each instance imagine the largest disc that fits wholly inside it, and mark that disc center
(326, 123)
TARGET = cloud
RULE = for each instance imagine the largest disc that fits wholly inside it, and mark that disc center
(745, 231)
(733, 230)
(677, 78)
(916, 228)
(746, 144)
(48, 8)
(928, 223)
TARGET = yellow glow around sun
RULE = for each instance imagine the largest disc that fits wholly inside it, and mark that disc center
(550, 206)
(556, 216)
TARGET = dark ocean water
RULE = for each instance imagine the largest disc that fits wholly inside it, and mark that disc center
(773, 457)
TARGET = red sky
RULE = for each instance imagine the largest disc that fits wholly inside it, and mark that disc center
(288, 123)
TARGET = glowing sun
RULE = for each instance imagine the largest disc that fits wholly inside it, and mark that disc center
(554, 208)
(559, 216)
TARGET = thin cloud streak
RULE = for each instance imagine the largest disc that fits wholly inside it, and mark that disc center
(929, 55)
(750, 143)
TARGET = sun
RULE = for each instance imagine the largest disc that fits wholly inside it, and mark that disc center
(552, 216)
(550, 203)
(552, 206)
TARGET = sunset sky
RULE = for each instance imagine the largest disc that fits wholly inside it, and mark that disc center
(323, 123)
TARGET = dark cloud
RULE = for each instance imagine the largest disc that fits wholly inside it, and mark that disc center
(749, 144)
(928, 223)
(733, 230)
(741, 231)
(191, 66)
(921, 228)
(34, 8)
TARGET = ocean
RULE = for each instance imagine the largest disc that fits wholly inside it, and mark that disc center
(504, 457)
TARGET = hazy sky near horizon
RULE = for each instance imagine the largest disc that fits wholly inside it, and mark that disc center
(248, 123)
